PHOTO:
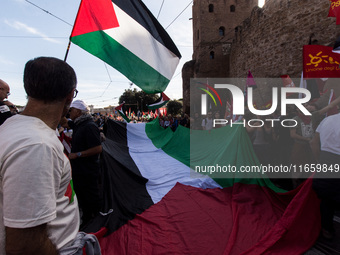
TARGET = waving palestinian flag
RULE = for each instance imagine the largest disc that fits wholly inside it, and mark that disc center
(159, 102)
(125, 35)
(119, 109)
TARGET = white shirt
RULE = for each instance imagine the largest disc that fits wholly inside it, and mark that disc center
(207, 123)
(329, 130)
(35, 180)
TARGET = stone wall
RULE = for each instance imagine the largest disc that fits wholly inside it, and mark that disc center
(270, 41)
(187, 73)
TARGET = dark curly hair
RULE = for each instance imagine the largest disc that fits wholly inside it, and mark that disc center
(49, 79)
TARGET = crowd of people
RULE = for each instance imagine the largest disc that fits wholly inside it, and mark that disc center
(165, 121)
(34, 166)
(273, 143)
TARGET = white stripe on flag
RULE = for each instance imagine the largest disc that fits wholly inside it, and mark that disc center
(161, 179)
(140, 42)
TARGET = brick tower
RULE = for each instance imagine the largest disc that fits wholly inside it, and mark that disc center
(214, 24)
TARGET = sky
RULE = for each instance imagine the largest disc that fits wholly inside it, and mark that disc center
(27, 31)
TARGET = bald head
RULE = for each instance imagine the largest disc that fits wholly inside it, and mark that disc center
(4, 90)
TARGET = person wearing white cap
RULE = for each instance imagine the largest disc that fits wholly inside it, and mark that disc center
(85, 150)
(80, 105)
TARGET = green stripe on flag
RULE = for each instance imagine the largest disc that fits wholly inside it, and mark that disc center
(226, 145)
(116, 55)
(73, 192)
(124, 116)
(157, 106)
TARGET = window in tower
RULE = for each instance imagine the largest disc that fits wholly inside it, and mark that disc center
(212, 55)
(221, 31)
(211, 8)
(232, 8)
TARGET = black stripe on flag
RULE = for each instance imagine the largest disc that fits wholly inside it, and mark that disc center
(124, 188)
(137, 10)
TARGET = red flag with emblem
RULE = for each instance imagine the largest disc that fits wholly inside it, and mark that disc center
(334, 10)
(320, 62)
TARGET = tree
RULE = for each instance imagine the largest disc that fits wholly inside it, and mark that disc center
(174, 107)
(137, 100)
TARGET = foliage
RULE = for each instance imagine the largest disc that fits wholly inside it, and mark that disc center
(137, 100)
(174, 107)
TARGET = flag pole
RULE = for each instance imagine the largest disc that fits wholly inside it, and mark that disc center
(68, 49)
(69, 42)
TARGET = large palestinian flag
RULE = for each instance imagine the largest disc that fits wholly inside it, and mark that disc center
(156, 204)
(125, 35)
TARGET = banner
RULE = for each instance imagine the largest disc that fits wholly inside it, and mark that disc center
(320, 62)
(334, 10)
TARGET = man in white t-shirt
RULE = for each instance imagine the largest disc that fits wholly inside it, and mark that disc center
(38, 208)
(326, 183)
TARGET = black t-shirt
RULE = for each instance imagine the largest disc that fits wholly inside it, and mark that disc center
(86, 135)
(5, 112)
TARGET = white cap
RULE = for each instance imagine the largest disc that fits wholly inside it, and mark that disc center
(80, 104)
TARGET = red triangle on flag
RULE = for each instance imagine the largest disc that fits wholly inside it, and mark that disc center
(165, 97)
(119, 107)
(94, 15)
